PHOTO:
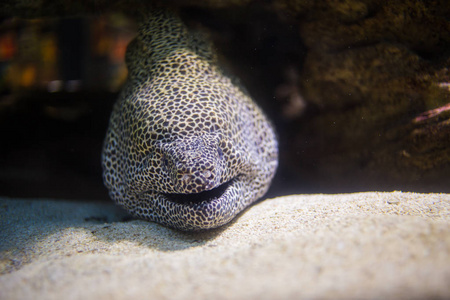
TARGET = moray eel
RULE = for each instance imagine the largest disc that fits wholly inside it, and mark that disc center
(186, 146)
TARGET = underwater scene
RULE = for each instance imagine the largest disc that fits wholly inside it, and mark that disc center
(222, 145)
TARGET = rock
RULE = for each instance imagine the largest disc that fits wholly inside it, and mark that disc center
(365, 245)
(371, 71)
(375, 76)
(332, 25)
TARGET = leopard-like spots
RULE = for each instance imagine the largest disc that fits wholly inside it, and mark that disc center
(185, 147)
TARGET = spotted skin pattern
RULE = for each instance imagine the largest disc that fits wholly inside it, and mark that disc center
(185, 147)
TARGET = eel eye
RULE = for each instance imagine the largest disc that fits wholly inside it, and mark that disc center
(220, 153)
(165, 162)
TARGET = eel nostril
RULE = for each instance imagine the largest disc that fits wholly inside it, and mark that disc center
(165, 161)
(186, 178)
(220, 153)
(207, 173)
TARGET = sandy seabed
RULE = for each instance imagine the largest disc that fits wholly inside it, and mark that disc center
(347, 246)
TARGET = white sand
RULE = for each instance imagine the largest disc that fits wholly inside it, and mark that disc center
(366, 245)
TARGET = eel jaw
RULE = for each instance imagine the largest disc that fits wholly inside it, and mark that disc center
(197, 211)
(195, 198)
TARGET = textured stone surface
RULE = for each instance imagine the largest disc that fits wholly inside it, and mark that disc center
(335, 25)
(375, 71)
(366, 245)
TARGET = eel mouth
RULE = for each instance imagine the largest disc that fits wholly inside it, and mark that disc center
(195, 198)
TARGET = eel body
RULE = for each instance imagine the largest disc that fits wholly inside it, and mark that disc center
(185, 147)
